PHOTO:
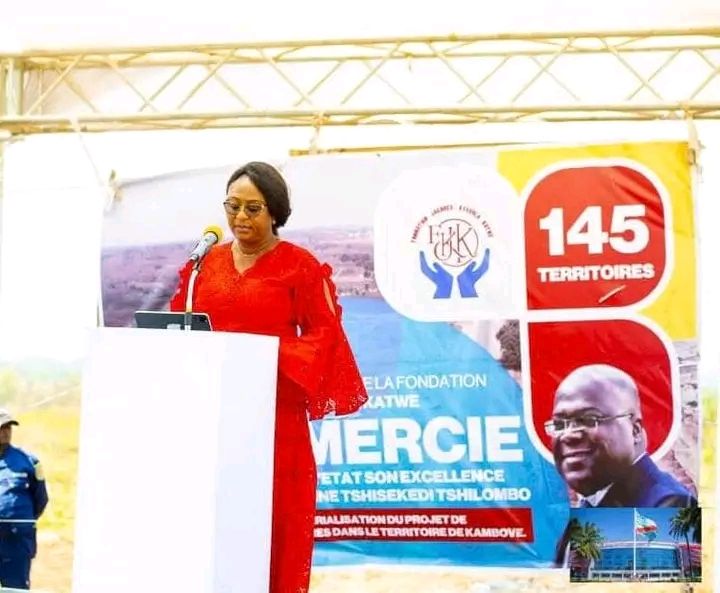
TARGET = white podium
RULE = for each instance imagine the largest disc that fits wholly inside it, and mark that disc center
(174, 487)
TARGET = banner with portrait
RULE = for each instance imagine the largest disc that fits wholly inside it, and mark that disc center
(524, 320)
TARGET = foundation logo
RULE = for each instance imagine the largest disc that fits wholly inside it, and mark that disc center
(446, 244)
(453, 247)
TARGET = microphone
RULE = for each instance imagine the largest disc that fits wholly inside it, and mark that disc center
(211, 235)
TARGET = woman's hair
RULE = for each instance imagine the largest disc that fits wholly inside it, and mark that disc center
(271, 185)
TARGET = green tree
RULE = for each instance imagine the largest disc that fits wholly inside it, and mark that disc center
(585, 540)
(687, 524)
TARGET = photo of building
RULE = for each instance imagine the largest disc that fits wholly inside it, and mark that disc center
(622, 544)
(653, 562)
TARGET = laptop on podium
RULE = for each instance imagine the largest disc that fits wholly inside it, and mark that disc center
(171, 320)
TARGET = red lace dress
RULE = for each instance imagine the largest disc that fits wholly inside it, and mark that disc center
(284, 291)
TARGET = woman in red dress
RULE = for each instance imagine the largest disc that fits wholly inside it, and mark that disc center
(261, 284)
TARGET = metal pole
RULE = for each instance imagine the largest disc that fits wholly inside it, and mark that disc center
(634, 573)
(3, 137)
(11, 101)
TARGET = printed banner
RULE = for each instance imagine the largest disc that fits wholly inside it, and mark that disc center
(524, 320)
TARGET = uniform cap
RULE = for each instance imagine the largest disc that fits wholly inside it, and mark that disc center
(7, 418)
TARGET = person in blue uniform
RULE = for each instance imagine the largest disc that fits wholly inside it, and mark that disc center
(23, 498)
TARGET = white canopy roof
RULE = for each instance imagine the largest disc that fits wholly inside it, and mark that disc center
(46, 24)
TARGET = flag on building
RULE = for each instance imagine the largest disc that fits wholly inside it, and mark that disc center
(645, 526)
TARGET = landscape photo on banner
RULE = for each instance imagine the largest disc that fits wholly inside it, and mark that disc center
(523, 318)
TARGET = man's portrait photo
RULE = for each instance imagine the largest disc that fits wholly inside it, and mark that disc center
(599, 443)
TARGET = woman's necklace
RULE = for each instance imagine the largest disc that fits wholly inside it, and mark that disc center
(254, 254)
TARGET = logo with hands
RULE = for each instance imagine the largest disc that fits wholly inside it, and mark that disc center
(444, 242)
(466, 279)
(454, 242)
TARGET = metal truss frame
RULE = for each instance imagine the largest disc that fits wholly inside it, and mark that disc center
(570, 76)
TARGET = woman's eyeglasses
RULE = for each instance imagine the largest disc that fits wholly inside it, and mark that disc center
(251, 209)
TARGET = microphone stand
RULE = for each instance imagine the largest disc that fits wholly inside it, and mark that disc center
(189, 297)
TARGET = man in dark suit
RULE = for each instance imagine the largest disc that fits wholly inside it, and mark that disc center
(599, 443)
